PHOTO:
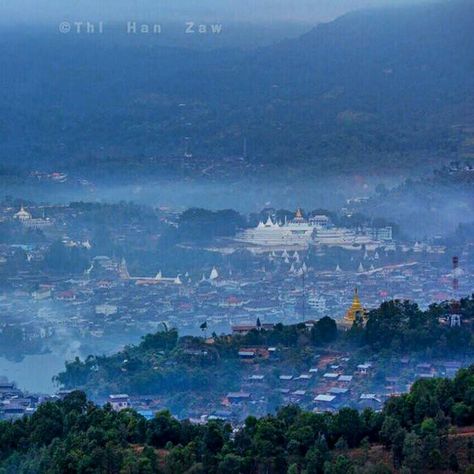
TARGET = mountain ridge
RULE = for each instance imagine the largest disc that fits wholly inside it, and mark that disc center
(374, 83)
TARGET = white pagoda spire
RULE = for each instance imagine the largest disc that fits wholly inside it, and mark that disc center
(123, 270)
(269, 222)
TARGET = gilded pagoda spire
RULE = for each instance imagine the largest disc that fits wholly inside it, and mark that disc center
(356, 311)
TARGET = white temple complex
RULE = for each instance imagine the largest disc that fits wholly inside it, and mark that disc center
(299, 233)
(27, 219)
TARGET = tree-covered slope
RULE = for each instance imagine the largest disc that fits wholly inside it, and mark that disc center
(377, 88)
(417, 432)
(164, 363)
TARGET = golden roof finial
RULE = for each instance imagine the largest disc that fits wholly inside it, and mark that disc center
(356, 308)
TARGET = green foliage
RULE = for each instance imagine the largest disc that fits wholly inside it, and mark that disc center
(203, 225)
(160, 341)
(73, 435)
(62, 259)
(342, 465)
(402, 325)
(166, 363)
(330, 106)
(325, 330)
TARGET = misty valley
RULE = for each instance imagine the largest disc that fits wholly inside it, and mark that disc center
(236, 237)
(97, 276)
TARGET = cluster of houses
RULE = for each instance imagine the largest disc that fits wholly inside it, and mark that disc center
(332, 381)
(107, 306)
(16, 403)
(106, 301)
(278, 286)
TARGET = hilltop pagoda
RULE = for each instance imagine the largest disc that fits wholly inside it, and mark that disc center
(356, 312)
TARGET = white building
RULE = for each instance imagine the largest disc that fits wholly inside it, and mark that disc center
(106, 309)
(299, 233)
(27, 220)
(119, 402)
(318, 303)
(351, 239)
(295, 234)
(22, 215)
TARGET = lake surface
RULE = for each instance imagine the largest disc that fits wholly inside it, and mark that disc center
(35, 372)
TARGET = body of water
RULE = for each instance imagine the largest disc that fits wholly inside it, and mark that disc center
(34, 373)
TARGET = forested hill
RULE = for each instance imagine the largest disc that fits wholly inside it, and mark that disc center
(184, 368)
(378, 89)
(427, 430)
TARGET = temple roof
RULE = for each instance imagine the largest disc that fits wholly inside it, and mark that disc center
(22, 214)
(298, 216)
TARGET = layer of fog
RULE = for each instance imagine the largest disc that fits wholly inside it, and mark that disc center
(420, 213)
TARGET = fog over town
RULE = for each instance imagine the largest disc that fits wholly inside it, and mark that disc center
(236, 237)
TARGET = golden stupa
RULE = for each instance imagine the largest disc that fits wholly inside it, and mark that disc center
(356, 311)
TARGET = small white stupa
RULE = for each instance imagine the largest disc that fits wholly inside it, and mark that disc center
(214, 274)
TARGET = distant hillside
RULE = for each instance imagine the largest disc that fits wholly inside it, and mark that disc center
(383, 89)
(433, 205)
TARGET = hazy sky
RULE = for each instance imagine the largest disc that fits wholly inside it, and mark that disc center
(14, 11)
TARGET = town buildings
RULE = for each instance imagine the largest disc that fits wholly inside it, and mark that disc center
(118, 298)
